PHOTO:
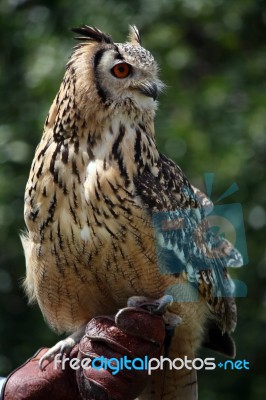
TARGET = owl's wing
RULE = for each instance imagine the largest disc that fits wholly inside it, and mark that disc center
(185, 244)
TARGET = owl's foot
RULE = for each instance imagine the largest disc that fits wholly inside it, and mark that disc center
(63, 347)
(158, 306)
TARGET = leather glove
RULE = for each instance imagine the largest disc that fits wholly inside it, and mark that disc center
(133, 332)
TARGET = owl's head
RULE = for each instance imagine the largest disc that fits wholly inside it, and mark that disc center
(115, 74)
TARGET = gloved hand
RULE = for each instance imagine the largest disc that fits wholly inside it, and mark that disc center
(132, 332)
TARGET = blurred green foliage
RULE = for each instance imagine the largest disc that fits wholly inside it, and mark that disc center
(212, 118)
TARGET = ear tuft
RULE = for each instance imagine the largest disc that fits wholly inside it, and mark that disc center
(134, 36)
(92, 33)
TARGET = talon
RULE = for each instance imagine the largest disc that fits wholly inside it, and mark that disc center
(50, 354)
(137, 301)
(171, 320)
(63, 347)
(163, 302)
(156, 306)
(44, 358)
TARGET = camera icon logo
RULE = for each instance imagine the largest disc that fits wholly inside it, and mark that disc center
(192, 240)
(226, 220)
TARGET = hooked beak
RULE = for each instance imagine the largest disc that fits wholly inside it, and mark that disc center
(148, 89)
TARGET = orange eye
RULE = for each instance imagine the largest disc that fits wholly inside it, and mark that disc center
(121, 70)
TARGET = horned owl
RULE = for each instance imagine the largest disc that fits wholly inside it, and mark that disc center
(102, 204)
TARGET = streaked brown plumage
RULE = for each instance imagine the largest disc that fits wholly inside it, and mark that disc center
(95, 183)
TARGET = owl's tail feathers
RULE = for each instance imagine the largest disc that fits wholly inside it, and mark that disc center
(172, 385)
(181, 384)
(176, 379)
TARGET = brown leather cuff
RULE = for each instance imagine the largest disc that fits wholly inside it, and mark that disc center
(28, 382)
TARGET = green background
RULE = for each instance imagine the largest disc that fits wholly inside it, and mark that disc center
(212, 55)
